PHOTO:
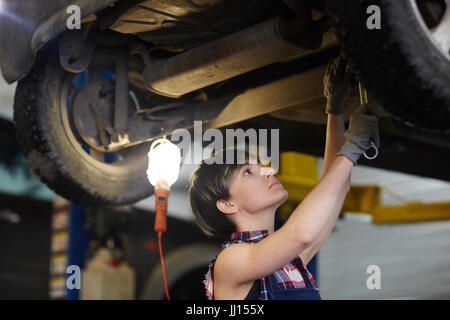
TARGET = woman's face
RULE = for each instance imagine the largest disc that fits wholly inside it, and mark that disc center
(255, 188)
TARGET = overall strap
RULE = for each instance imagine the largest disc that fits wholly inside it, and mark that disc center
(301, 267)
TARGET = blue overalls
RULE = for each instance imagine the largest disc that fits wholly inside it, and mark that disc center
(275, 292)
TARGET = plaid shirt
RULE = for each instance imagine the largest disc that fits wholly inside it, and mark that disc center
(287, 277)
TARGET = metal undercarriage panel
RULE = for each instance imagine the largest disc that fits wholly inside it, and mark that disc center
(189, 23)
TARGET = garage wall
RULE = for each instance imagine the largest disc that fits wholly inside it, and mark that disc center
(24, 247)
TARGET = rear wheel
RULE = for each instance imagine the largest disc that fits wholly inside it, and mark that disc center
(406, 63)
(57, 155)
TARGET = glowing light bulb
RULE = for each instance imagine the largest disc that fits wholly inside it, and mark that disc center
(164, 160)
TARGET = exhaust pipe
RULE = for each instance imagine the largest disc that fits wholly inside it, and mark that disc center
(225, 58)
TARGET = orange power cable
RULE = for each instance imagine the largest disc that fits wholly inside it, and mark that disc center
(166, 288)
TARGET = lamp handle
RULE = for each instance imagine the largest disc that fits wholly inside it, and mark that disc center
(161, 197)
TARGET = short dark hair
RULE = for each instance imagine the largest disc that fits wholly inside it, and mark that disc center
(209, 183)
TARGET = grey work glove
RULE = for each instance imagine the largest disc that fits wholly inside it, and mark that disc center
(336, 85)
(363, 129)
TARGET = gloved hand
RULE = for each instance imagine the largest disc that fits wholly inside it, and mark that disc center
(363, 129)
(336, 85)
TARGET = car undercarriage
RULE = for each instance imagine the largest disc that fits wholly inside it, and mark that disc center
(90, 101)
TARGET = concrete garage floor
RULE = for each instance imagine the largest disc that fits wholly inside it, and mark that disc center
(413, 258)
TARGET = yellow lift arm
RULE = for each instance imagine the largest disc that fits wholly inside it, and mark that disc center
(298, 174)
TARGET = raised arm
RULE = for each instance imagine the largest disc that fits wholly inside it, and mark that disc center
(336, 84)
(337, 87)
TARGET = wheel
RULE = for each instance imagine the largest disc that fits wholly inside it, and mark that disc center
(180, 265)
(55, 153)
(406, 63)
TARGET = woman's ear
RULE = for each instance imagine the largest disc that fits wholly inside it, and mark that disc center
(226, 206)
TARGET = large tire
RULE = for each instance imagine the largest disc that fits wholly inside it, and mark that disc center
(55, 155)
(400, 63)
